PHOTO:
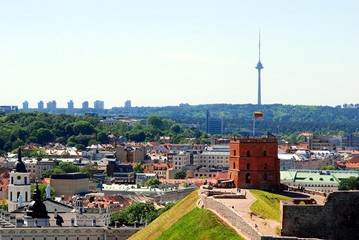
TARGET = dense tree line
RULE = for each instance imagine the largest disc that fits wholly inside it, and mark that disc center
(278, 118)
(139, 213)
(178, 122)
(18, 129)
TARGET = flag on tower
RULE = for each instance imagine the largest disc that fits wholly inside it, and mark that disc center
(258, 114)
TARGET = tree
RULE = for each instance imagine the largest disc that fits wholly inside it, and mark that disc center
(44, 136)
(83, 127)
(155, 121)
(89, 170)
(180, 174)
(102, 137)
(351, 183)
(68, 167)
(329, 167)
(138, 168)
(153, 182)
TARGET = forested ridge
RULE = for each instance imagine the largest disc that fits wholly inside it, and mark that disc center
(278, 118)
(178, 122)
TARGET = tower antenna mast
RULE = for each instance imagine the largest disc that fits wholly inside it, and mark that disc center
(259, 67)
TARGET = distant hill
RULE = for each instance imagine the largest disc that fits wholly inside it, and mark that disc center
(278, 118)
(186, 221)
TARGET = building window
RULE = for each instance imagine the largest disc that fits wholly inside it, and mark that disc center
(248, 153)
(248, 178)
(234, 152)
(265, 166)
(248, 166)
(264, 153)
(265, 176)
(234, 165)
(12, 180)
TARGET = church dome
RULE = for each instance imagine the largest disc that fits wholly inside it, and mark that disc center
(37, 208)
(20, 167)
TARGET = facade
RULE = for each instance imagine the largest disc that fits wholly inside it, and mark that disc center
(19, 189)
(70, 183)
(214, 125)
(51, 105)
(320, 142)
(254, 163)
(128, 104)
(37, 168)
(8, 109)
(25, 105)
(214, 158)
(85, 105)
(70, 105)
(349, 141)
(142, 178)
(99, 105)
(180, 160)
(40, 105)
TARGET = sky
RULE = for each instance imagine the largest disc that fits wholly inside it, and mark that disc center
(161, 53)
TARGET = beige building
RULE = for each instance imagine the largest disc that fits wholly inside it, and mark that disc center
(180, 160)
(70, 183)
(37, 168)
(212, 159)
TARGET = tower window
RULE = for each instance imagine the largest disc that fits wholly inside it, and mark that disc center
(248, 178)
(264, 153)
(248, 153)
(234, 152)
(234, 165)
(265, 166)
(265, 176)
(248, 166)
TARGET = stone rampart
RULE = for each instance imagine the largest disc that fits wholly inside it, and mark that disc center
(231, 216)
(67, 233)
(338, 218)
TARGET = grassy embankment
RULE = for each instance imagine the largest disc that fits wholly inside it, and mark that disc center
(186, 221)
(199, 224)
(267, 204)
(163, 222)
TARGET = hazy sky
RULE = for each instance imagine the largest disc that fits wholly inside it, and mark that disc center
(159, 53)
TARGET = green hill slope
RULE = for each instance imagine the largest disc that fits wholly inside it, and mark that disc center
(267, 204)
(162, 223)
(199, 224)
(186, 221)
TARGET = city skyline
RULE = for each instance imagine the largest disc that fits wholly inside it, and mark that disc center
(163, 53)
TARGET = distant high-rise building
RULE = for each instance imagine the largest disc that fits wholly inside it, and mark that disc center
(99, 105)
(85, 105)
(70, 105)
(214, 125)
(51, 105)
(40, 105)
(25, 105)
(259, 67)
(128, 104)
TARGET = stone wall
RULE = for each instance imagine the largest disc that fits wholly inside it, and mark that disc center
(231, 216)
(67, 233)
(337, 219)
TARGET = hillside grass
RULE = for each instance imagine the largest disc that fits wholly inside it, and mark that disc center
(267, 204)
(163, 222)
(199, 224)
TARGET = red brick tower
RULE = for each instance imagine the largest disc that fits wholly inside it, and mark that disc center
(254, 163)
